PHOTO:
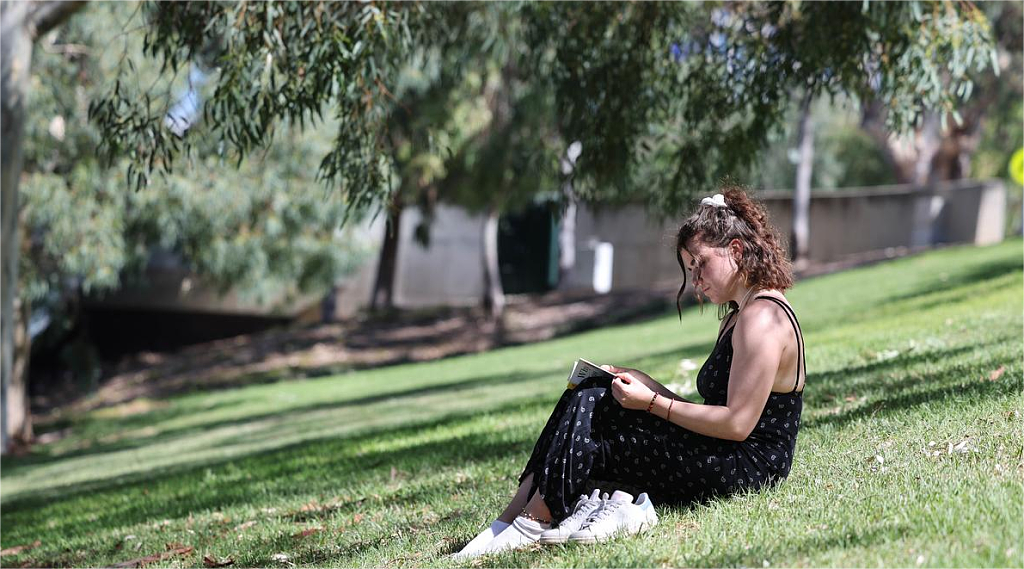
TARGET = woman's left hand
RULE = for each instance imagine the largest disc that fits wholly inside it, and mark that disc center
(630, 392)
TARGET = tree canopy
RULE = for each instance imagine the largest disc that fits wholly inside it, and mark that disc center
(263, 227)
(666, 97)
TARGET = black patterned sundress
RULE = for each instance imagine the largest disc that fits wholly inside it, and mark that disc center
(590, 439)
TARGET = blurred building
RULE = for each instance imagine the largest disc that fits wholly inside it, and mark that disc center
(843, 223)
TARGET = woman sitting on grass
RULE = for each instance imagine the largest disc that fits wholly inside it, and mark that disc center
(632, 431)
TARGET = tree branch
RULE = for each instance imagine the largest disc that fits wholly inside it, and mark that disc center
(44, 16)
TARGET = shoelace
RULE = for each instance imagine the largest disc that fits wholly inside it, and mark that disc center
(581, 511)
(604, 511)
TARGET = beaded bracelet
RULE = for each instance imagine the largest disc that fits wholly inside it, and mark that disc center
(651, 404)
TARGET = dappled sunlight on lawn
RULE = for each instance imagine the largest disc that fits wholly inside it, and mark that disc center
(912, 423)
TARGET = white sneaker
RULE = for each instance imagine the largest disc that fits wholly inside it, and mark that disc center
(618, 515)
(583, 509)
(478, 543)
(522, 533)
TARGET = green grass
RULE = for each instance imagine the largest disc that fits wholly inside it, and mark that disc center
(909, 454)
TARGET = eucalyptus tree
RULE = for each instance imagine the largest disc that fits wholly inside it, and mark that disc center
(666, 98)
(670, 98)
(932, 151)
(21, 24)
(263, 228)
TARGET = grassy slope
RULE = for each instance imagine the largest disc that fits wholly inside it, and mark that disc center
(909, 454)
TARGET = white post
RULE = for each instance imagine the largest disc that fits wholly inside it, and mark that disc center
(603, 261)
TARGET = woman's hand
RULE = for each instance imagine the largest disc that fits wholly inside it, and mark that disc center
(634, 373)
(629, 387)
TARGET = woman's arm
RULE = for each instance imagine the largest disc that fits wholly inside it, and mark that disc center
(756, 356)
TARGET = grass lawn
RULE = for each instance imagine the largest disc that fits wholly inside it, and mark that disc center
(910, 453)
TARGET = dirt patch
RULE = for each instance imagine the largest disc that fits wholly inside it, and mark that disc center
(310, 351)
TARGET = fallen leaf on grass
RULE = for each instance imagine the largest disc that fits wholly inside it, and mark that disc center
(997, 373)
(142, 561)
(876, 463)
(281, 558)
(19, 548)
(211, 561)
(246, 525)
(160, 525)
(961, 447)
(308, 532)
(220, 518)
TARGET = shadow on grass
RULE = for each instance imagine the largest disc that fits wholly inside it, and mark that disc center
(319, 465)
(949, 385)
(903, 392)
(964, 279)
(15, 465)
(830, 385)
(960, 284)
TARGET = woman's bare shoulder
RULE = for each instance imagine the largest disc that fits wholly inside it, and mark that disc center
(762, 318)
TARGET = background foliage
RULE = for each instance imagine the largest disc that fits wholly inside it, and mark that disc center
(263, 226)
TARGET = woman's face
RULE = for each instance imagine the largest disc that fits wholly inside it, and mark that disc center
(713, 270)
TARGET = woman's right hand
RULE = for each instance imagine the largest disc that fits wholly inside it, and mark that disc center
(628, 374)
(633, 374)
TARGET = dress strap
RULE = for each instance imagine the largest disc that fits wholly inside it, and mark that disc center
(725, 328)
(800, 362)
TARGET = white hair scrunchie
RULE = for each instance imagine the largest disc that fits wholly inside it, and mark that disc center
(717, 200)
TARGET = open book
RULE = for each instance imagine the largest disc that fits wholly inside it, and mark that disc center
(584, 370)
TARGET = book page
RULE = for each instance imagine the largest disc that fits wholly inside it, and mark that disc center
(584, 369)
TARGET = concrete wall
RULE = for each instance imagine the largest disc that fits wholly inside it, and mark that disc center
(852, 221)
(843, 223)
(450, 271)
(643, 247)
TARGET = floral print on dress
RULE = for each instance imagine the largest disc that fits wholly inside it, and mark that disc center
(602, 441)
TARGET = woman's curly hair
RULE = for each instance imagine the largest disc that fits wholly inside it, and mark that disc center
(764, 263)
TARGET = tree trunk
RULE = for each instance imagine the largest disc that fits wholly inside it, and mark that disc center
(15, 55)
(20, 417)
(873, 123)
(567, 228)
(494, 295)
(927, 144)
(384, 286)
(799, 241)
(567, 243)
(927, 155)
